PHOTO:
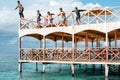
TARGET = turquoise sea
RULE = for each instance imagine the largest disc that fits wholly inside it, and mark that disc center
(9, 71)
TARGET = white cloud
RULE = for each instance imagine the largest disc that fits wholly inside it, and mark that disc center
(91, 5)
(9, 19)
(54, 3)
(75, 4)
(7, 15)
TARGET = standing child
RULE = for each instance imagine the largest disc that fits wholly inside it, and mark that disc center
(62, 21)
(21, 9)
(50, 19)
(38, 19)
(78, 16)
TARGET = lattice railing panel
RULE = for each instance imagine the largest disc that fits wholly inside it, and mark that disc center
(75, 55)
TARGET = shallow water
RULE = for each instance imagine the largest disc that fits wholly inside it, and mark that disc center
(9, 71)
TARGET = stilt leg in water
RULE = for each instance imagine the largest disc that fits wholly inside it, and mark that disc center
(86, 67)
(106, 70)
(43, 71)
(93, 67)
(36, 66)
(113, 68)
(72, 69)
(20, 66)
(60, 66)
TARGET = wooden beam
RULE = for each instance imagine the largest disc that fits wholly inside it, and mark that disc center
(86, 40)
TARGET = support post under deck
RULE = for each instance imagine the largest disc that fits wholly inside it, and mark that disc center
(43, 68)
(36, 66)
(106, 70)
(60, 66)
(20, 66)
(72, 69)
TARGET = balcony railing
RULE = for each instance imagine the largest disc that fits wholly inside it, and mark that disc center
(75, 55)
(86, 18)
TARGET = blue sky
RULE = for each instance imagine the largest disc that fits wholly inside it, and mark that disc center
(9, 17)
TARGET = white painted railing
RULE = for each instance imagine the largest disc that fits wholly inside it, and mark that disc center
(87, 17)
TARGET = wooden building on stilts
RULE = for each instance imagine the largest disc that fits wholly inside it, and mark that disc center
(98, 26)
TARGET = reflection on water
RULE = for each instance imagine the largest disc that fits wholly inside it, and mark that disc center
(9, 71)
(47, 77)
(53, 73)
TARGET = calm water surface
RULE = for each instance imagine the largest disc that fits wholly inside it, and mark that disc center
(9, 71)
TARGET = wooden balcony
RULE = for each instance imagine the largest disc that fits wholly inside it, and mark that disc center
(71, 55)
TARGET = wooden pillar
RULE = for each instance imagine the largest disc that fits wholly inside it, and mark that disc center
(20, 66)
(19, 55)
(106, 70)
(86, 67)
(115, 47)
(76, 42)
(119, 68)
(43, 68)
(93, 67)
(86, 40)
(62, 41)
(40, 48)
(106, 34)
(40, 42)
(55, 46)
(19, 48)
(101, 67)
(92, 42)
(86, 46)
(115, 39)
(67, 44)
(106, 38)
(113, 66)
(44, 42)
(36, 66)
(109, 42)
(97, 43)
(73, 47)
(106, 78)
(92, 47)
(72, 69)
(60, 66)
